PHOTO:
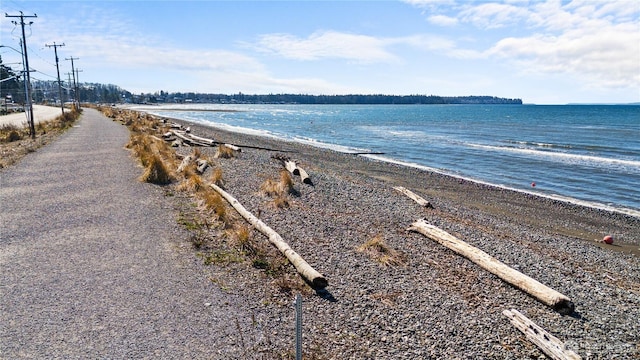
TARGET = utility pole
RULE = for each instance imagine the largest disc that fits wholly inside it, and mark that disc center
(55, 50)
(32, 126)
(70, 88)
(75, 86)
(78, 71)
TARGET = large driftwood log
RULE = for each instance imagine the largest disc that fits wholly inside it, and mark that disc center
(310, 274)
(549, 344)
(415, 197)
(203, 140)
(543, 293)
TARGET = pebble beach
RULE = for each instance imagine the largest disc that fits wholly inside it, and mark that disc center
(431, 303)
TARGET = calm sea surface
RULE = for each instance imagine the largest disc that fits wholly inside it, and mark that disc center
(587, 154)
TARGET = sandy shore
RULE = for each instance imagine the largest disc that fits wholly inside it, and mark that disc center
(436, 304)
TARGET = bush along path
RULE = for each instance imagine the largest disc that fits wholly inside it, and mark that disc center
(91, 264)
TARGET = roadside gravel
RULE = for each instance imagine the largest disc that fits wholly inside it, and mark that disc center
(92, 265)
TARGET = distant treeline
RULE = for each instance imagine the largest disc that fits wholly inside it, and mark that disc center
(324, 99)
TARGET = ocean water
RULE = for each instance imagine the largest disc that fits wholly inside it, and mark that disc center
(586, 154)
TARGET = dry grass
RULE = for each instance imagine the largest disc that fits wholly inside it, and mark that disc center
(279, 189)
(224, 152)
(382, 253)
(216, 177)
(156, 172)
(15, 141)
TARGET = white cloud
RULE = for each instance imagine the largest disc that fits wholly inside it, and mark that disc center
(596, 42)
(492, 15)
(327, 45)
(443, 20)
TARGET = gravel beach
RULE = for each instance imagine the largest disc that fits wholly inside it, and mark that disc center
(162, 301)
(435, 304)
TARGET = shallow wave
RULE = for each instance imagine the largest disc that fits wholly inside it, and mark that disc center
(566, 199)
(633, 164)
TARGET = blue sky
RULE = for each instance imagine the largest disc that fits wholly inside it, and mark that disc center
(544, 52)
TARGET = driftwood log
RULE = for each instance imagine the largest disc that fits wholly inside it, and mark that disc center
(202, 165)
(192, 139)
(310, 274)
(549, 344)
(415, 197)
(543, 293)
(294, 169)
(185, 162)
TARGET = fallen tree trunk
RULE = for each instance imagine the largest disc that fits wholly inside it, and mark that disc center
(549, 344)
(543, 293)
(311, 275)
(415, 197)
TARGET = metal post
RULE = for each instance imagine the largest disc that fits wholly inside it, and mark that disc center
(298, 327)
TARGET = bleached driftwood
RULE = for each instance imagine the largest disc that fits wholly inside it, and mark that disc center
(294, 169)
(304, 176)
(190, 138)
(202, 165)
(549, 344)
(291, 167)
(310, 274)
(415, 197)
(203, 140)
(233, 147)
(543, 293)
(185, 162)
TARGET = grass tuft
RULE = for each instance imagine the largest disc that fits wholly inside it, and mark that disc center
(224, 152)
(382, 253)
(156, 172)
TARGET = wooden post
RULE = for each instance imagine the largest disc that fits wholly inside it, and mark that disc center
(310, 274)
(415, 197)
(549, 344)
(543, 293)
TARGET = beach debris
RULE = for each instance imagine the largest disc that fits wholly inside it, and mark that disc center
(559, 302)
(317, 280)
(294, 168)
(549, 344)
(185, 162)
(225, 152)
(202, 165)
(608, 239)
(191, 139)
(415, 197)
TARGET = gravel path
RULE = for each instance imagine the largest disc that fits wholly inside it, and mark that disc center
(91, 262)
